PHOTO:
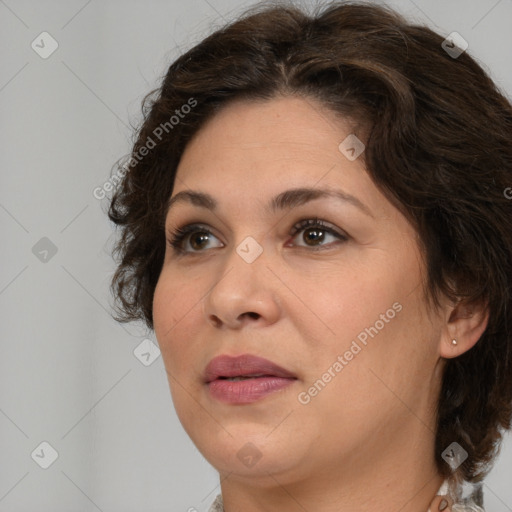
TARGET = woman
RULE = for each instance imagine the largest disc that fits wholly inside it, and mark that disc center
(315, 224)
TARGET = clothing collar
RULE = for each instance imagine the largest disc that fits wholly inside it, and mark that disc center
(465, 498)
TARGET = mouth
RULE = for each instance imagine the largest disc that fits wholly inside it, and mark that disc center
(245, 379)
(243, 367)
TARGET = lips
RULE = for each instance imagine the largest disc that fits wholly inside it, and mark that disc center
(244, 366)
(246, 379)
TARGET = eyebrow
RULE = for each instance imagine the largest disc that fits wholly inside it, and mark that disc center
(287, 199)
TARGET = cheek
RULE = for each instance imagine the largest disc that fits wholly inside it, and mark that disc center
(176, 305)
(384, 363)
(377, 301)
(342, 303)
(386, 339)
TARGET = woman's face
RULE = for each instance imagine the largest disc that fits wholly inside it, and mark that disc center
(339, 306)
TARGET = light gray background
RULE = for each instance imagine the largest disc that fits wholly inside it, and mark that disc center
(69, 375)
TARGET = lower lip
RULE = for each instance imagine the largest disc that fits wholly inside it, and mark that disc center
(248, 390)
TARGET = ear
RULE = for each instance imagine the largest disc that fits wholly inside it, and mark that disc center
(465, 323)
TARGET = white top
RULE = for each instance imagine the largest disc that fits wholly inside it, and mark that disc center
(466, 498)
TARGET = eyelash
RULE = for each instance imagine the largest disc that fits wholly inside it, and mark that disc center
(177, 237)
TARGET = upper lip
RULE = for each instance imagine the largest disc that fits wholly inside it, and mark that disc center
(245, 365)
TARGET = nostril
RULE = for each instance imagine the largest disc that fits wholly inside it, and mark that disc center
(216, 321)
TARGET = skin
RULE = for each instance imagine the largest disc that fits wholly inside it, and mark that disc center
(366, 441)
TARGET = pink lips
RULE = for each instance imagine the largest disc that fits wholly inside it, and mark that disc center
(261, 377)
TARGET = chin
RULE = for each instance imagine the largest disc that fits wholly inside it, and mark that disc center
(250, 451)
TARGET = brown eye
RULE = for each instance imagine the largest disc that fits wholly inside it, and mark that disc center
(190, 239)
(198, 239)
(315, 233)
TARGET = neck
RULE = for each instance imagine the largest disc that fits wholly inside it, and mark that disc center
(402, 476)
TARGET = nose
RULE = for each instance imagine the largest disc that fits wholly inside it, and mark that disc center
(245, 294)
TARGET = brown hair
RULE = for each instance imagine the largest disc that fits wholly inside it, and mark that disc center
(439, 146)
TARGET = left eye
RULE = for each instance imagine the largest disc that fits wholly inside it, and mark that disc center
(315, 230)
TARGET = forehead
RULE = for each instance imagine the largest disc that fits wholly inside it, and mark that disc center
(270, 124)
(283, 141)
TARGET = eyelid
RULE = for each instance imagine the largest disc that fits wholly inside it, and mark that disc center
(306, 222)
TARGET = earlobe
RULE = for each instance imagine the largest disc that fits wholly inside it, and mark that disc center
(465, 326)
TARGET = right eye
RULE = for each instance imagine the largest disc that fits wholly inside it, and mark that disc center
(194, 236)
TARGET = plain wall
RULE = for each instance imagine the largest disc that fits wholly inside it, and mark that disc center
(69, 376)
